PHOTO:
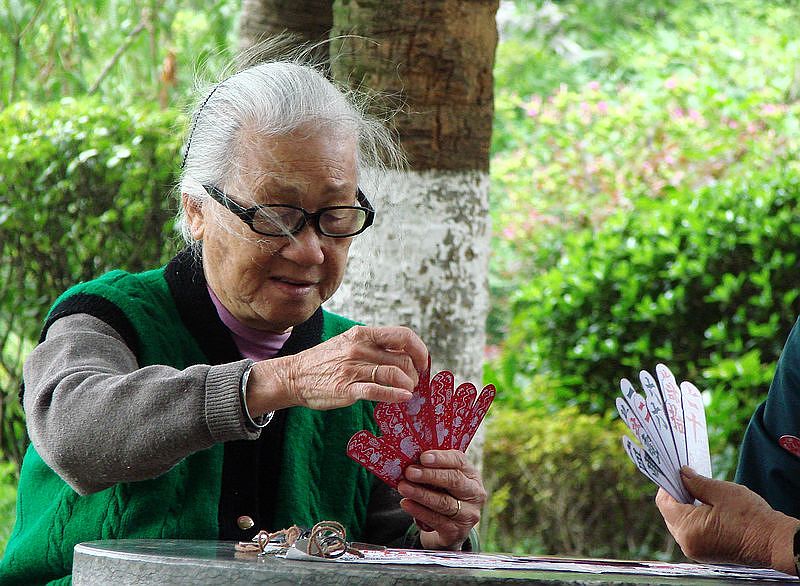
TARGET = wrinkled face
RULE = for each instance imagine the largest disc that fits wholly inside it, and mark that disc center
(273, 283)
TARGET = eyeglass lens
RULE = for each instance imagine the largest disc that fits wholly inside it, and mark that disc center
(278, 220)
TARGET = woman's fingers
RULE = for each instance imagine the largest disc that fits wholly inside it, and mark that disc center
(391, 376)
(401, 340)
(445, 493)
(438, 508)
(450, 471)
(457, 526)
(396, 352)
(380, 393)
(376, 364)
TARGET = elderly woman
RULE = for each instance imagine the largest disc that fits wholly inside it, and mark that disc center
(177, 402)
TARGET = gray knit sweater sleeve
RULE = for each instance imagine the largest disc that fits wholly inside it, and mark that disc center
(97, 418)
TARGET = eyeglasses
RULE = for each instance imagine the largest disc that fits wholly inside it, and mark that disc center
(285, 220)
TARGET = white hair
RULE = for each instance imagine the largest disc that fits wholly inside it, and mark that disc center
(276, 98)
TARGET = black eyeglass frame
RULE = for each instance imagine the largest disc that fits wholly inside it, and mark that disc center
(248, 215)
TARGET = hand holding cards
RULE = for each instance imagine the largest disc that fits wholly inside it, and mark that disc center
(669, 423)
(437, 417)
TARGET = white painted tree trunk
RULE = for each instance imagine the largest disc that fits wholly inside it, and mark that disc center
(423, 264)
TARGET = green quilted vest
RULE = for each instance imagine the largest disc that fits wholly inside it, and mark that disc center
(317, 479)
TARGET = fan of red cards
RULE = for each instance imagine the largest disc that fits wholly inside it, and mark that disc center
(670, 424)
(437, 417)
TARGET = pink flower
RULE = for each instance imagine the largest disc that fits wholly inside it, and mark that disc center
(534, 107)
(602, 107)
(771, 109)
(593, 86)
(508, 233)
(671, 83)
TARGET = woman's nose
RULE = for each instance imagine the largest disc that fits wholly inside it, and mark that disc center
(305, 247)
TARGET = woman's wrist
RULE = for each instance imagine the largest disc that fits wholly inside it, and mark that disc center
(266, 391)
(254, 423)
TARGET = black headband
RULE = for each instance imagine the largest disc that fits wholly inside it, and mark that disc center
(194, 124)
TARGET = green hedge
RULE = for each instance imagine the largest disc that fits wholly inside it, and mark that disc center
(85, 189)
(561, 483)
(705, 281)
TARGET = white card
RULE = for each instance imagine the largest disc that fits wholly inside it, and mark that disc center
(669, 424)
(696, 432)
(634, 411)
(671, 394)
(635, 414)
(673, 411)
(654, 425)
(647, 467)
(647, 441)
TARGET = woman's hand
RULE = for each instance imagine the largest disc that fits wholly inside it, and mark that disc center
(375, 364)
(445, 495)
(735, 525)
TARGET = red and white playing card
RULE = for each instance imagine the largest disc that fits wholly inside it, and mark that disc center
(396, 430)
(670, 424)
(442, 408)
(377, 456)
(475, 417)
(418, 410)
(463, 402)
(437, 417)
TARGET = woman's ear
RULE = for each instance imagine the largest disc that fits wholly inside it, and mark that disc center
(194, 215)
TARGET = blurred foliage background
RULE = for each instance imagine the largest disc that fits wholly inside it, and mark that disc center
(645, 187)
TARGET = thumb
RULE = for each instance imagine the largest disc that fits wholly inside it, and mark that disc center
(700, 487)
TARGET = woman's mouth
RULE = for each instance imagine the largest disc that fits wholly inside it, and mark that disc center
(294, 286)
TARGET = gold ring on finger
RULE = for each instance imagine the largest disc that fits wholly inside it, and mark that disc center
(374, 371)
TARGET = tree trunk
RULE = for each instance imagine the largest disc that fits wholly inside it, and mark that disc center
(310, 20)
(424, 263)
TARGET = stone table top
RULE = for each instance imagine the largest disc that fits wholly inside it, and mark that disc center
(161, 561)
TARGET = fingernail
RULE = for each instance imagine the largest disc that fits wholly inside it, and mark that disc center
(427, 458)
(413, 473)
(405, 396)
(688, 472)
